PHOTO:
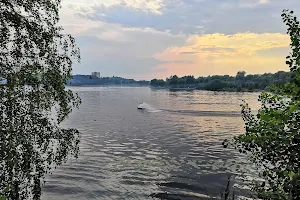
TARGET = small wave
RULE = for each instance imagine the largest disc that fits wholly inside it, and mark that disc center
(211, 103)
(179, 185)
(207, 113)
(169, 196)
(154, 111)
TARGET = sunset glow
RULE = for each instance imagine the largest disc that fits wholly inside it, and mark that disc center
(155, 39)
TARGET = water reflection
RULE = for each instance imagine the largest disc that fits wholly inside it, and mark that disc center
(128, 154)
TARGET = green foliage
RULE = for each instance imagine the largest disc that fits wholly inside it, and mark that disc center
(215, 85)
(158, 82)
(272, 138)
(173, 80)
(240, 75)
(2, 198)
(36, 61)
(241, 82)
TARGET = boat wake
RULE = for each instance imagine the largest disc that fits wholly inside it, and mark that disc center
(146, 107)
(207, 113)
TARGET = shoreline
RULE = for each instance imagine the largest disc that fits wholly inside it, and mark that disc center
(172, 88)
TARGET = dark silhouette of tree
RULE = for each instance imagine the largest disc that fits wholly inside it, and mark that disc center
(240, 82)
(173, 80)
(190, 79)
(216, 85)
(154, 82)
(240, 75)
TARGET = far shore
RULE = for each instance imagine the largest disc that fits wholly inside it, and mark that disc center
(173, 89)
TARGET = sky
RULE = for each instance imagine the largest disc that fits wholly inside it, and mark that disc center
(146, 39)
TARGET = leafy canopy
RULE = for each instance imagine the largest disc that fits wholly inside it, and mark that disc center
(272, 138)
(36, 59)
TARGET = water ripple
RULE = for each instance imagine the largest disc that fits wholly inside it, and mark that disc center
(127, 154)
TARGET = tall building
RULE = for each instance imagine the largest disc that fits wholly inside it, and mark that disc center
(97, 74)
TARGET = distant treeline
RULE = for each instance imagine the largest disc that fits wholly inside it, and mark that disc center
(240, 82)
(93, 80)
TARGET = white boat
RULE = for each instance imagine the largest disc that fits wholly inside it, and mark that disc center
(141, 106)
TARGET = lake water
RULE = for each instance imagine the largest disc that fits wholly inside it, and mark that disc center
(174, 148)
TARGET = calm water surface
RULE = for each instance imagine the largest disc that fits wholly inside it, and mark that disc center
(174, 148)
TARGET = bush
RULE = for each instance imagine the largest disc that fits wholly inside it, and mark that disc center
(272, 138)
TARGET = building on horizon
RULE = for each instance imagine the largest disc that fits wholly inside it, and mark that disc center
(97, 74)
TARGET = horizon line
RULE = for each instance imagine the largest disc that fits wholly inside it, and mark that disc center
(144, 78)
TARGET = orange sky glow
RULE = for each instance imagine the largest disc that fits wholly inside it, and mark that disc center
(146, 39)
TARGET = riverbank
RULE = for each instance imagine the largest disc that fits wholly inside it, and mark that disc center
(199, 88)
(173, 89)
(239, 83)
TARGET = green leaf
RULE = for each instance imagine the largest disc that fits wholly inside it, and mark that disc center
(36, 67)
(2, 197)
(291, 175)
(276, 129)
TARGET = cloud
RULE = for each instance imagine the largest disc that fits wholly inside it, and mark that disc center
(116, 50)
(188, 52)
(226, 54)
(149, 6)
(123, 58)
(264, 1)
(237, 44)
(253, 3)
(195, 16)
(158, 38)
